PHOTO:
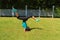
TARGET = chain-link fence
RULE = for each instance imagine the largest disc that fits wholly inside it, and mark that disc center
(30, 12)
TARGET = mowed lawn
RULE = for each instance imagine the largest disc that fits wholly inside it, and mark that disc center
(46, 29)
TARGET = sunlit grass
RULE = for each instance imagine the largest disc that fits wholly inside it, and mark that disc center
(45, 29)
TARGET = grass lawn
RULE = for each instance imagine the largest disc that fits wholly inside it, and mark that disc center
(45, 29)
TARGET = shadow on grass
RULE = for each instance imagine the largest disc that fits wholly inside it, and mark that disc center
(29, 29)
(36, 28)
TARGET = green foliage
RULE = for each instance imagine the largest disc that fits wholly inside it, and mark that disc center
(57, 12)
(32, 4)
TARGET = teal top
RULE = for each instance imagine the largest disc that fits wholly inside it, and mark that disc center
(14, 10)
(24, 25)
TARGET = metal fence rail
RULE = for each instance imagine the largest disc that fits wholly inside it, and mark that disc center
(8, 12)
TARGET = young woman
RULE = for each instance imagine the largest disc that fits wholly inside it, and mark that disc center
(24, 24)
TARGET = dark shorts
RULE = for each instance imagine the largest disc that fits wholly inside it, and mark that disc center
(23, 18)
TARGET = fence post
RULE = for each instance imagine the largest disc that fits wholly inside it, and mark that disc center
(39, 11)
(53, 11)
(26, 10)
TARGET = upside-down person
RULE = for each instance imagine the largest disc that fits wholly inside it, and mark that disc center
(24, 24)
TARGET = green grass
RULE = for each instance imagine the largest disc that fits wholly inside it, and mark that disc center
(46, 29)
